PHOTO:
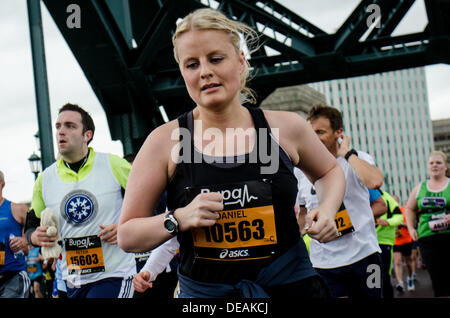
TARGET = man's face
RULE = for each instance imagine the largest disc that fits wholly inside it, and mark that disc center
(69, 133)
(326, 134)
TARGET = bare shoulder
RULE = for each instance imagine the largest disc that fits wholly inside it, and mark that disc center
(289, 124)
(162, 137)
(159, 147)
(288, 128)
(164, 131)
(19, 211)
(283, 119)
(412, 202)
(416, 189)
(19, 207)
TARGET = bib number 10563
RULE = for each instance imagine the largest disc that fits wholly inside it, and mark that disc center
(235, 231)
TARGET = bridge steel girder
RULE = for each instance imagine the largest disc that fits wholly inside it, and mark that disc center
(127, 56)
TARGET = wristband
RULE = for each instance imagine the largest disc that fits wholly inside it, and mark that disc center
(351, 152)
(28, 234)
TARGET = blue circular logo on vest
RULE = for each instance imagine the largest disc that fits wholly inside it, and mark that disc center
(79, 206)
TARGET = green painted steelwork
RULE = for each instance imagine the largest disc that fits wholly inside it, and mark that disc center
(124, 48)
(40, 81)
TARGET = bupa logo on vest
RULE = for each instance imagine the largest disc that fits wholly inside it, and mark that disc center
(438, 202)
(238, 195)
(79, 206)
(84, 242)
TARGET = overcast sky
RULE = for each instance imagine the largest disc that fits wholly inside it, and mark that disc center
(67, 83)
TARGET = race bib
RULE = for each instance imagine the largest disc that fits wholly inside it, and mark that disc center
(2, 253)
(31, 269)
(343, 223)
(84, 255)
(438, 223)
(246, 227)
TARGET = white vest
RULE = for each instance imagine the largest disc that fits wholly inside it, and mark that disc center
(82, 206)
(352, 247)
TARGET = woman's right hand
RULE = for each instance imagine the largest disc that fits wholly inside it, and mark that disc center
(201, 212)
(141, 281)
(413, 233)
(324, 227)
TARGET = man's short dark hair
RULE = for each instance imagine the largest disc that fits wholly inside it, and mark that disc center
(333, 115)
(86, 119)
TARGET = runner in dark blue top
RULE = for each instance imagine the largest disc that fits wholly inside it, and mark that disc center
(14, 280)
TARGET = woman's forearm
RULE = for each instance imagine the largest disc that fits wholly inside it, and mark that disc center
(139, 235)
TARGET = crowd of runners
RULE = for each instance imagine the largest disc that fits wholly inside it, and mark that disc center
(227, 200)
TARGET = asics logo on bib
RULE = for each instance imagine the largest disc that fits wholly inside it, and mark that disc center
(234, 253)
(239, 195)
(78, 206)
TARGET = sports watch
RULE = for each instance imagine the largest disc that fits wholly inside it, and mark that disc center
(351, 152)
(171, 223)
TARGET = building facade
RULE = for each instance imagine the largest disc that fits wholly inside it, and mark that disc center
(387, 115)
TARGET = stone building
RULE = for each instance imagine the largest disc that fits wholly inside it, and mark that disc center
(298, 99)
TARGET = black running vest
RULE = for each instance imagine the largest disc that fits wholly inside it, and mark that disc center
(239, 230)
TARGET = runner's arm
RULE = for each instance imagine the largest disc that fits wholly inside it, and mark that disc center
(37, 235)
(396, 219)
(370, 175)
(411, 211)
(378, 207)
(323, 170)
(33, 220)
(138, 229)
(160, 258)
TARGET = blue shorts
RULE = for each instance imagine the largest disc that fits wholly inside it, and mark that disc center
(362, 279)
(113, 287)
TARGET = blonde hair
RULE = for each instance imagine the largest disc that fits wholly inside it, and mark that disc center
(209, 19)
(2, 176)
(440, 153)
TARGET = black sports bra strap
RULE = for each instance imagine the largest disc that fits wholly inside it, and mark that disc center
(185, 121)
(261, 122)
(258, 118)
(182, 120)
